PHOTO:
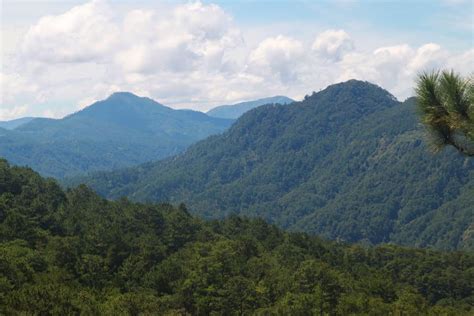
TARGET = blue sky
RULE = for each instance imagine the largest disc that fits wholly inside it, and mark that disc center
(201, 54)
(415, 21)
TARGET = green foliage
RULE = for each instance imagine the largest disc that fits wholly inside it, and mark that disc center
(121, 131)
(446, 103)
(347, 163)
(86, 255)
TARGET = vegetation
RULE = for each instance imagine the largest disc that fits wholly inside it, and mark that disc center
(446, 103)
(348, 163)
(73, 252)
(121, 131)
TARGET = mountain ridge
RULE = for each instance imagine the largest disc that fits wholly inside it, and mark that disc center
(234, 111)
(119, 131)
(12, 124)
(318, 166)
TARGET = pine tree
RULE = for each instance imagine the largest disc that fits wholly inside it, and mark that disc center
(446, 104)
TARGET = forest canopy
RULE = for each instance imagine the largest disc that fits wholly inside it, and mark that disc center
(349, 162)
(72, 252)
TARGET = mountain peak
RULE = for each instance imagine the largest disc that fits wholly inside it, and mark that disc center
(362, 94)
(358, 88)
(123, 95)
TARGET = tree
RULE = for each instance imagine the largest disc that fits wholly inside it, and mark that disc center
(446, 104)
(102, 257)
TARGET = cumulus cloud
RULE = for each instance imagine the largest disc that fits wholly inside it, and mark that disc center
(462, 62)
(428, 56)
(277, 56)
(207, 22)
(395, 67)
(13, 85)
(192, 55)
(84, 33)
(193, 36)
(333, 44)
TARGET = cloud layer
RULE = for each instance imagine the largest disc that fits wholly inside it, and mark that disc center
(192, 55)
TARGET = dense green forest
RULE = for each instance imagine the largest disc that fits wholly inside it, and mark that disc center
(72, 252)
(120, 131)
(349, 163)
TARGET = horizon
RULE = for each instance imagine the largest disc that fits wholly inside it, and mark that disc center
(221, 52)
(205, 112)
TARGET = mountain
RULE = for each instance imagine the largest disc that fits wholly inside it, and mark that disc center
(12, 124)
(349, 163)
(236, 110)
(121, 131)
(74, 253)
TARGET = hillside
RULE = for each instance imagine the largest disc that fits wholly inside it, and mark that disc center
(71, 253)
(12, 124)
(348, 163)
(121, 131)
(234, 111)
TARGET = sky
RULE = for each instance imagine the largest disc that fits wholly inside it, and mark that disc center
(59, 56)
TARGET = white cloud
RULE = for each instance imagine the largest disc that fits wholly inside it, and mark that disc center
(462, 62)
(12, 113)
(206, 22)
(193, 55)
(333, 44)
(428, 56)
(277, 56)
(86, 32)
(16, 94)
(395, 67)
(190, 37)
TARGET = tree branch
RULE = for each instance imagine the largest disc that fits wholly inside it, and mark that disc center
(466, 151)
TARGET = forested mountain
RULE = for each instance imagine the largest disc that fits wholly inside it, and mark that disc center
(12, 124)
(348, 163)
(234, 111)
(121, 131)
(71, 253)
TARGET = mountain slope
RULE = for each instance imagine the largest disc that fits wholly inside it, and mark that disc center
(236, 110)
(120, 131)
(12, 124)
(348, 163)
(74, 253)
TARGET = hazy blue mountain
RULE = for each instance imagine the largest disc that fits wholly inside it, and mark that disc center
(121, 131)
(236, 110)
(12, 124)
(349, 162)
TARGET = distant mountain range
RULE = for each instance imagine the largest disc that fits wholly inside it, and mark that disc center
(349, 163)
(236, 110)
(12, 124)
(121, 131)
